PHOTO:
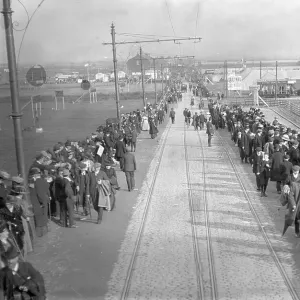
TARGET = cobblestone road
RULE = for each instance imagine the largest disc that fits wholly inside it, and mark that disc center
(165, 266)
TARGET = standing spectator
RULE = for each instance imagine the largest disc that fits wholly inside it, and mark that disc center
(277, 160)
(129, 169)
(83, 187)
(120, 152)
(201, 120)
(42, 190)
(172, 115)
(58, 190)
(209, 131)
(133, 139)
(264, 174)
(256, 163)
(68, 201)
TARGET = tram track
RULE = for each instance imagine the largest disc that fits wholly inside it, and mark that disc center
(130, 270)
(255, 214)
(199, 261)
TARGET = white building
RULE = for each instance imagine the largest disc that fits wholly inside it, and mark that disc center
(121, 75)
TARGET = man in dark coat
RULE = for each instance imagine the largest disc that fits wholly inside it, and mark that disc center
(256, 165)
(68, 201)
(172, 115)
(58, 190)
(277, 160)
(246, 144)
(41, 193)
(23, 279)
(209, 131)
(120, 152)
(286, 169)
(129, 169)
(82, 187)
(133, 139)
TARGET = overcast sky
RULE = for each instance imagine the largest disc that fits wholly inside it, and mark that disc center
(74, 30)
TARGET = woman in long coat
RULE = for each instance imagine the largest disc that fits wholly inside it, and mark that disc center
(100, 200)
(40, 214)
(153, 131)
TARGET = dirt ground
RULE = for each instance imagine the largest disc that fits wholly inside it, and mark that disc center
(77, 263)
(75, 122)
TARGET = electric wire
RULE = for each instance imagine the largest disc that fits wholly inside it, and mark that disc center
(196, 27)
(170, 19)
(26, 27)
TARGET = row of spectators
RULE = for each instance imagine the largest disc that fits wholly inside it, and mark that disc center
(74, 176)
(272, 150)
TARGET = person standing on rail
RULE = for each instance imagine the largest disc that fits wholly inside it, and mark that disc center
(209, 131)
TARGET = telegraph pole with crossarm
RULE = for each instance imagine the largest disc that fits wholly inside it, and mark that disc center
(114, 43)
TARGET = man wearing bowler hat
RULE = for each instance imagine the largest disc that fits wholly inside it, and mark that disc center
(25, 281)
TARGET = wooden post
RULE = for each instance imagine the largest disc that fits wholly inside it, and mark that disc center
(55, 103)
(63, 102)
(40, 103)
(32, 109)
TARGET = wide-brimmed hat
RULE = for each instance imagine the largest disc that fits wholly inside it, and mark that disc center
(4, 175)
(17, 180)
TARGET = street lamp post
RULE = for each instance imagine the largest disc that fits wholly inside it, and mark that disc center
(14, 91)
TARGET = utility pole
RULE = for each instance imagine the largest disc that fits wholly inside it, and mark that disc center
(14, 91)
(162, 78)
(142, 73)
(113, 37)
(149, 41)
(226, 78)
(260, 70)
(154, 68)
(276, 83)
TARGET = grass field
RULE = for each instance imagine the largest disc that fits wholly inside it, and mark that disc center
(75, 122)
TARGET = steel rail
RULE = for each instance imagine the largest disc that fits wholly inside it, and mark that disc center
(281, 269)
(199, 270)
(126, 287)
(212, 272)
(208, 232)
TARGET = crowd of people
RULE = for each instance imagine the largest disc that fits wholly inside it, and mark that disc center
(72, 177)
(270, 148)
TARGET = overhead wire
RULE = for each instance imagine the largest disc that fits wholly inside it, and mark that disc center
(26, 27)
(196, 27)
(170, 19)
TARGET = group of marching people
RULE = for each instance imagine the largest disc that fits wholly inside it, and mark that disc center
(65, 178)
(272, 150)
